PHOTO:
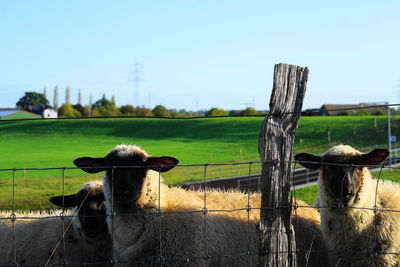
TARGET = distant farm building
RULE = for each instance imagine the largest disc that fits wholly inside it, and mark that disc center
(340, 109)
(14, 114)
(46, 112)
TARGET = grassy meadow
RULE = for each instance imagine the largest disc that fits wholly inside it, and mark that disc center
(56, 143)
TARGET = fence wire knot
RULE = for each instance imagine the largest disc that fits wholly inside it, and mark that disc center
(62, 215)
(375, 209)
(13, 217)
(159, 212)
(248, 208)
(205, 211)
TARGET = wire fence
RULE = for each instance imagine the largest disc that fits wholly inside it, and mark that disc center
(13, 220)
(250, 250)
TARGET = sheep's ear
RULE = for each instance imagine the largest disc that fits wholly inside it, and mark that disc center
(375, 157)
(69, 201)
(94, 165)
(161, 164)
(308, 161)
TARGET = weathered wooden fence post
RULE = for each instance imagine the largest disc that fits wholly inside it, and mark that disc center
(275, 147)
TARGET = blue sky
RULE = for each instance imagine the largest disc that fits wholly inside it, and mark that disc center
(199, 54)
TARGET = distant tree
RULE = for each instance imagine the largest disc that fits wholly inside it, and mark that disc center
(86, 111)
(103, 102)
(79, 97)
(45, 92)
(364, 112)
(161, 111)
(346, 113)
(80, 109)
(128, 110)
(55, 97)
(32, 99)
(104, 108)
(113, 100)
(145, 112)
(68, 111)
(67, 95)
(216, 112)
(380, 112)
(249, 111)
(90, 105)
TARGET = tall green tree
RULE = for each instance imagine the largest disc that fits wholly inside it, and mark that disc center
(102, 102)
(32, 99)
(161, 111)
(55, 97)
(79, 97)
(67, 95)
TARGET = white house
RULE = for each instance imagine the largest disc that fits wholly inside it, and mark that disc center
(49, 113)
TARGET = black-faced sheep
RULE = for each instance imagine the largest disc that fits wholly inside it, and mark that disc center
(357, 218)
(38, 239)
(178, 238)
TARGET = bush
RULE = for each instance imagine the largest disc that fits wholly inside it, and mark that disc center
(161, 111)
(67, 111)
(103, 111)
(346, 113)
(128, 110)
(364, 112)
(249, 111)
(216, 112)
(380, 112)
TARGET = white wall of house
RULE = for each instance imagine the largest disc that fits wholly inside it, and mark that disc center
(50, 113)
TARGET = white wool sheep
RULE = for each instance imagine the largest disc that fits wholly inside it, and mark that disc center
(357, 218)
(38, 235)
(135, 194)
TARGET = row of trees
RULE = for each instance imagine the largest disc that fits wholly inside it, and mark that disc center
(366, 112)
(105, 108)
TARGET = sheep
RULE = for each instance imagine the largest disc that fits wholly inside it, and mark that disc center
(356, 219)
(38, 235)
(149, 224)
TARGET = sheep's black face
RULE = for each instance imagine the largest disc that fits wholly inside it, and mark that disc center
(91, 208)
(125, 177)
(341, 180)
(341, 174)
(92, 216)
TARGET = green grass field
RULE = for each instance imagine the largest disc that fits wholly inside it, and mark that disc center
(56, 143)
